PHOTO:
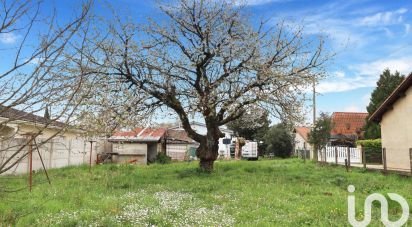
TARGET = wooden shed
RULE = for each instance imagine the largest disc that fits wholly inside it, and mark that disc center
(179, 144)
(140, 145)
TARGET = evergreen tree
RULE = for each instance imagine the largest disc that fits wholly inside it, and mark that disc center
(47, 113)
(279, 141)
(384, 87)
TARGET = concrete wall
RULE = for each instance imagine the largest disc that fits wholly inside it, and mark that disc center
(25, 128)
(56, 153)
(130, 152)
(396, 126)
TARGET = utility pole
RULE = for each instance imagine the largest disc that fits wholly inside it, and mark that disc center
(31, 162)
(314, 115)
(91, 151)
(314, 100)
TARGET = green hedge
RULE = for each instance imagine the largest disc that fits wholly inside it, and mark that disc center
(370, 143)
(373, 150)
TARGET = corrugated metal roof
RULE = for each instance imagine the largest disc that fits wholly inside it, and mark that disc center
(139, 135)
(178, 136)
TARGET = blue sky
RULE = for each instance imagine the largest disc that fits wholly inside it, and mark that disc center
(367, 35)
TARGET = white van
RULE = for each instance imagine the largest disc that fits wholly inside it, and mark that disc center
(250, 150)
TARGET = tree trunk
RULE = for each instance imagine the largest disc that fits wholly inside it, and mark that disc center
(207, 151)
(315, 154)
(206, 165)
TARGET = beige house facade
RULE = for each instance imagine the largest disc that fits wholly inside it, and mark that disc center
(55, 142)
(395, 117)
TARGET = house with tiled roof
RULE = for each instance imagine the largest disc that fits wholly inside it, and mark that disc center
(395, 118)
(347, 127)
(302, 145)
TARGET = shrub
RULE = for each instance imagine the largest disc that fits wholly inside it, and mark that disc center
(162, 158)
(279, 141)
(377, 143)
(373, 150)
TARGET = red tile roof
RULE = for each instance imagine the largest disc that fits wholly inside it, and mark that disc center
(140, 135)
(347, 123)
(303, 131)
(396, 94)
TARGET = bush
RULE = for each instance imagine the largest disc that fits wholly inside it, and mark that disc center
(162, 158)
(377, 143)
(279, 141)
(373, 150)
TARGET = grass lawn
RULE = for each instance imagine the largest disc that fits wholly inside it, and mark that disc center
(244, 193)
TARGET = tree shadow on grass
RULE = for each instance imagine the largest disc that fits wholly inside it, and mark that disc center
(193, 172)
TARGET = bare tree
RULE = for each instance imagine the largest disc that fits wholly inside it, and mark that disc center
(108, 105)
(32, 43)
(210, 60)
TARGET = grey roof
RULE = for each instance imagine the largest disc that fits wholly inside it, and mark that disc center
(13, 114)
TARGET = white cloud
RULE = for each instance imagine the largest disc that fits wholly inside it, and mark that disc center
(389, 33)
(339, 74)
(359, 107)
(367, 75)
(344, 84)
(374, 68)
(8, 38)
(407, 29)
(402, 10)
(357, 35)
(353, 108)
(324, 21)
(339, 33)
(384, 18)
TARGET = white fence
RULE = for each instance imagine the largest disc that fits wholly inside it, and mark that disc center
(340, 154)
(56, 153)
